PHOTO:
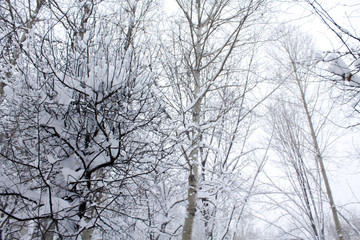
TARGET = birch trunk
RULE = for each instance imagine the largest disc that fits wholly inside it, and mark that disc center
(194, 155)
(192, 195)
(193, 173)
(319, 157)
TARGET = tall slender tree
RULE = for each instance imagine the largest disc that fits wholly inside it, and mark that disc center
(298, 64)
(207, 67)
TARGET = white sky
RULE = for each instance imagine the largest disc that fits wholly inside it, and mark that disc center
(346, 13)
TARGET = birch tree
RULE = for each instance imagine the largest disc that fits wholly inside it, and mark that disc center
(297, 64)
(207, 66)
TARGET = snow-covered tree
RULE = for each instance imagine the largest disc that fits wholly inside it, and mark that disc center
(209, 62)
(79, 122)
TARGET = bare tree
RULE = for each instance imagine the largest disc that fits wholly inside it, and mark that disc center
(303, 200)
(297, 65)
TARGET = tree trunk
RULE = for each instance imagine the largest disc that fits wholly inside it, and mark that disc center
(319, 159)
(196, 136)
(191, 209)
(193, 172)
